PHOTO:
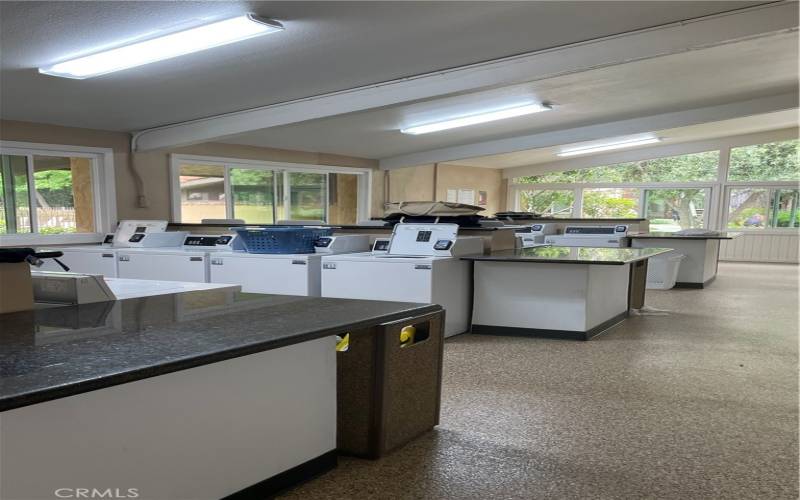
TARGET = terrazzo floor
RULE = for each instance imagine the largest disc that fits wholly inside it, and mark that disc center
(701, 403)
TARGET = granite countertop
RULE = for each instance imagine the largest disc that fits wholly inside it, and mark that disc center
(722, 235)
(54, 352)
(571, 255)
(621, 220)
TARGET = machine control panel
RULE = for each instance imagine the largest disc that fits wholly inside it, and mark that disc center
(431, 240)
(208, 242)
(443, 245)
(137, 233)
(342, 243)
(597, 230)
(323, 242)
(381, 245)
(200, 241)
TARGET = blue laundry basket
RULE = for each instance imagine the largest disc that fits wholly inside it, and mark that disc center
(281, 240)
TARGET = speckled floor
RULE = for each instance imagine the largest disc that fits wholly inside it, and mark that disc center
(702, 403)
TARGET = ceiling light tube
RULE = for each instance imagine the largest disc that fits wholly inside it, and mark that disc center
(475, 119)
(164, 47)
(608, 146)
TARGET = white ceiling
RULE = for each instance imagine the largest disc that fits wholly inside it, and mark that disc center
(727, 73)
(327, 46)
(705, 131)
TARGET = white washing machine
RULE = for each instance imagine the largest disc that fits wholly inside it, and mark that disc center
(534, 235)
(282, 274)
(92, 259)
(591, 236)
(420, 263)
(102, 259)
(188, 262)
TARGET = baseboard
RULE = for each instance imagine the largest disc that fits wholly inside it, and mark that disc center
(270, 487)
(688, 284)
(549, 334)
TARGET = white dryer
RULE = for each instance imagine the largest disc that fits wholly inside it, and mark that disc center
(420, 264)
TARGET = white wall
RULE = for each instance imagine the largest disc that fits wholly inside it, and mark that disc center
(757, 247)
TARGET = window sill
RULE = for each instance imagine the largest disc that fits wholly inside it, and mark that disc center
(15, 240)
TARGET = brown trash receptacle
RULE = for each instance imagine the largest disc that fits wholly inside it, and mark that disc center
(389, 394)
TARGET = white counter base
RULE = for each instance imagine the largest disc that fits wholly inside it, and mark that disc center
(573, 301)
(201, 433)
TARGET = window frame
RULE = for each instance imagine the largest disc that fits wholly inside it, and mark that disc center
(363, 201)
(770, 187)
(716, 217)
(709, 215)
(103, 191)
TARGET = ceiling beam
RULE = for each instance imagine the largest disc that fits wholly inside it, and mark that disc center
(618, 49)
(597, 131)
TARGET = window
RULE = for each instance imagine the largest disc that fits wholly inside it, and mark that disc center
(747, 208)
(774, 161)
(670, 210)
(308, 196)
(63, 194)
(253, 193)
(46, 194)
(265, 192)
(785, 208)
(685, 168)
(15, 195)
(605, 203)
(756, 187)
(759, 208)
(202, 192)
(548, 202)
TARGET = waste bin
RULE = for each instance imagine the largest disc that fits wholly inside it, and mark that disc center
(662, 272)
(388, 390)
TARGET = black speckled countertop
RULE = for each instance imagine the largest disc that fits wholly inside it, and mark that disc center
(672, 236)
(54, 352)
(571, 255)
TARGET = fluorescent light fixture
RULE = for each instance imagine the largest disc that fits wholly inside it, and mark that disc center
(164, 47)
(464, 121)
(599, 146)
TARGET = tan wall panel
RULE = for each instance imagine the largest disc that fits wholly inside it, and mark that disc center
(417, 184)
(477, 179)
(411, 184)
